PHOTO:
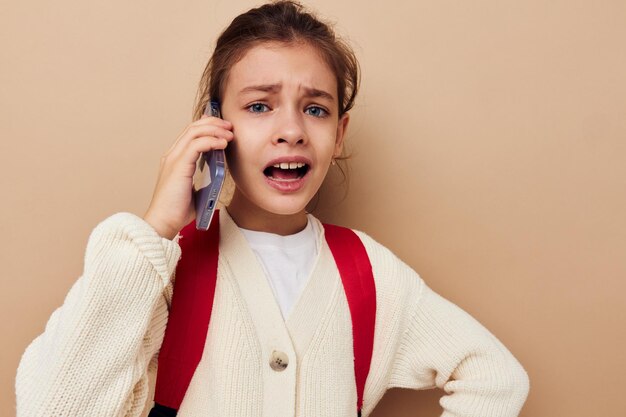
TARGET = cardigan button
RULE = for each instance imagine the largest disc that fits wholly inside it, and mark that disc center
(279, 361)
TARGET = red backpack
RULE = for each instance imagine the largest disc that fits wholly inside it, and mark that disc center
(194, 289)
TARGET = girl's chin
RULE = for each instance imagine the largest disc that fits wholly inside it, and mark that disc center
(280, 205)
(291, 208)
(274, 198)
(275, 216)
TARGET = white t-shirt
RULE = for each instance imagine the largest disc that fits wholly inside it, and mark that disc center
(286, 260)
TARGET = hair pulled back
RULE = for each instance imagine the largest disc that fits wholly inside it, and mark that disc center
(282, 21)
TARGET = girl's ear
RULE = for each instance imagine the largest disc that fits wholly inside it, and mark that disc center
(342, 126)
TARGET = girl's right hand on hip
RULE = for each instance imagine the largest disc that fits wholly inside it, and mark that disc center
(172, 206)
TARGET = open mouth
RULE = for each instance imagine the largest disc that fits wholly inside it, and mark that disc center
(286, 171)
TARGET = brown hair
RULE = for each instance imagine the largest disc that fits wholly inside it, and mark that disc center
(282, 21)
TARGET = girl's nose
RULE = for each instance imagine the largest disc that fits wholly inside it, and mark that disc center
(290, 127)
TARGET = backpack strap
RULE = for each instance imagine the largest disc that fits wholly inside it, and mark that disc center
(358, 283)
(190, 313)
(194, 290)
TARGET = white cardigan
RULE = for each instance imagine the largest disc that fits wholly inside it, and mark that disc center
(94, 356)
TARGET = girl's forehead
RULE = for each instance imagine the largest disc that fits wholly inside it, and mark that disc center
(281, 64)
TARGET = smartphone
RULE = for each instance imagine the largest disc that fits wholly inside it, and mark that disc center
(208, 178)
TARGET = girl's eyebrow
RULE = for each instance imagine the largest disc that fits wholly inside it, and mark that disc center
(275, 88)
(266, 88)
(314, 92)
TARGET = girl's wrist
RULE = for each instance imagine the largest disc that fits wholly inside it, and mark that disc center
(159, 227)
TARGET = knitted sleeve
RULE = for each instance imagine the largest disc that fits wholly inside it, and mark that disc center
(93, 356)
(443, 346)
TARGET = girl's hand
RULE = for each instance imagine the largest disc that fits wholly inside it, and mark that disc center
(172, 206)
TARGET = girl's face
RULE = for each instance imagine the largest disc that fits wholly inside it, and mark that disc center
(282, 101)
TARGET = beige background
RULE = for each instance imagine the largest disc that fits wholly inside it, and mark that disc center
(489, 141)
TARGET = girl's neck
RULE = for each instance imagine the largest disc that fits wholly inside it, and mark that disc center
(255, 218)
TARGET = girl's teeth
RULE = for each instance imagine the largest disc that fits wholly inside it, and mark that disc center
(289, 165)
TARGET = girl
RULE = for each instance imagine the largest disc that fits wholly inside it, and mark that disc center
(280, 340)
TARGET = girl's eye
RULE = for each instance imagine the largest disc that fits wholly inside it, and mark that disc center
(316, 111)
(258, 108)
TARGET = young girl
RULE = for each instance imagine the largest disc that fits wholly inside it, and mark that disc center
(280, 339)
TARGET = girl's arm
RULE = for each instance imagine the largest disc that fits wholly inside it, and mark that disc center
(93, 357)
(444, 346)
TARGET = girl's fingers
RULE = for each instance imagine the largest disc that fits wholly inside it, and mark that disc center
(193, 151)
(205, 116)
(171, 206)
(203, 121)
(212, 120)
(206, 144)
(218, 136)
(193, 132)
